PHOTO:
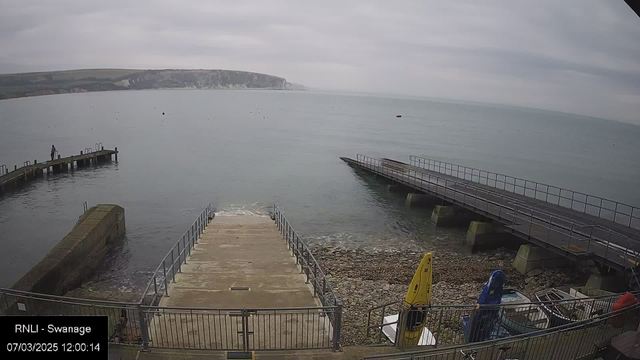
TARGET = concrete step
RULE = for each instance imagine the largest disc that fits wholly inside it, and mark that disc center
(239, 298)
(224, 281)
(257, 246)
(243, 220)
(213, 253)
(263, 226)
(242, 237)
(265, 232)
(241, 267)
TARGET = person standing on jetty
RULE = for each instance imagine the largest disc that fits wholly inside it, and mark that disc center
(53, 152)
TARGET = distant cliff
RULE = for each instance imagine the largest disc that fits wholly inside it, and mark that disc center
(62, 82)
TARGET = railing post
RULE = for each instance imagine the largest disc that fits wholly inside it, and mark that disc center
(179, 259)
(308, 268)
(144, 331)
(164, 271)
(188, 245)
(337, 325)
(399, 340)
(155, 285)
(173, 267)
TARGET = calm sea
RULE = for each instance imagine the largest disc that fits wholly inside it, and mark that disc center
(244, 150)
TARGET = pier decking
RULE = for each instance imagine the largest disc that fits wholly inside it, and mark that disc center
(613, 241)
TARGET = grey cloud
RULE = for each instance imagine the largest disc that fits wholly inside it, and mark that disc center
(576, 57)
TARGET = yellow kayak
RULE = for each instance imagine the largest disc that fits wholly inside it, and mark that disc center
(417, 299)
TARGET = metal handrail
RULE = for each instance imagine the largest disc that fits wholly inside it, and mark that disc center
(308, 263)
(141, 325)
(188, 241)
(586, 301)
(584, 324)
(540, 191)
(66, 299)
(310, 267)
(508, 214)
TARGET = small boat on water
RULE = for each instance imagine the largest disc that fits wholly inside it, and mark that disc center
(521, 316)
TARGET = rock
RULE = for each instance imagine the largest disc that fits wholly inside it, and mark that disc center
(528, 280)
(534, 272)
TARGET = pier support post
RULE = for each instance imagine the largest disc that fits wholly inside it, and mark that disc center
(532, 257)
(451, 216)
(485, 235)
(611, 283)
(421, 200)
(116, 154)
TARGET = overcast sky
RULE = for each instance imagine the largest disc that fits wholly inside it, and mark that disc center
(580, 56)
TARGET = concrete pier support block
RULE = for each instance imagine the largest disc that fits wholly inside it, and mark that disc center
(417, 200)
(451, 216)
(482, 235)
(532, 257)
(606, 282)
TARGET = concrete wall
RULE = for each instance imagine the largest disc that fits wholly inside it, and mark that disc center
(78, 254)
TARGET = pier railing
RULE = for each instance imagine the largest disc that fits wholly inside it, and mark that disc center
(232, 329)
(612, 210)
(454, 325)
(567, 342)
(311, 269)
(125, 319)
(172, 262)
(559, 232)
(308, 264)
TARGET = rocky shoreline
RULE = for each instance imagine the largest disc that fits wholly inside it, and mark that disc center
(365, 278)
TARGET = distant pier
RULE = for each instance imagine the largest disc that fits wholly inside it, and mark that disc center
(11, 179)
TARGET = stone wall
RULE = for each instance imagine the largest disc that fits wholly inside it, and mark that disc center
(78, 254)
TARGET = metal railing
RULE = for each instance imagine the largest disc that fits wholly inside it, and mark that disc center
(607, 209)
(241, 329)
(190, 328)
(311, 269)
(165, 273)
(558, 232)
(566, 342)
(125, 319)
(458, 324)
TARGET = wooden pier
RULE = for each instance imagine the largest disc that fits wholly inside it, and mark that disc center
(31, 171)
